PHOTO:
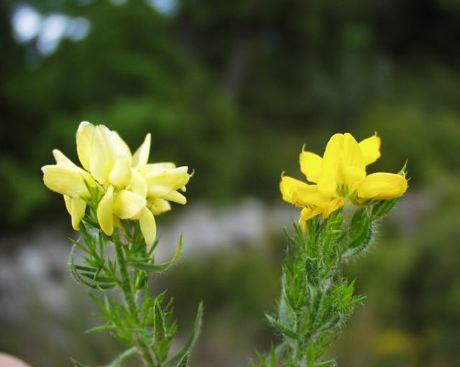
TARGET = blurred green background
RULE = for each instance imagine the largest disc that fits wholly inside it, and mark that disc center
(234, 89)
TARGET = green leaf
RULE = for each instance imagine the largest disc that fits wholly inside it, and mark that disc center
(89, 276)
(99, 328)
(329, 363)
(186, 349)
(118, 362)
(183, 362)
(157, 268)
(78, 364)
(281, 328)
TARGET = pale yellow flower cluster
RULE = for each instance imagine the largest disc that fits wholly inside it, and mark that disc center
(340, 176)
(130, 187)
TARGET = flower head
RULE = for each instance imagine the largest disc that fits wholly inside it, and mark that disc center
(123, 185)
(340, 176)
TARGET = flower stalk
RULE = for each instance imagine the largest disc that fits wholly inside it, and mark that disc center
(113, 201)
(116, 269)
(316, 298)
(125, 284)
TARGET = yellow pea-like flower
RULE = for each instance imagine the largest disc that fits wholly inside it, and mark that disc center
(129, 187)
(163, 182)
(64, 180)
(339, 176)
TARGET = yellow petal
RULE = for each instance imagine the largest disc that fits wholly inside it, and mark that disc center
(327, 183)
(101, 159)
(353, 167)
(163, 181)
(176, 197)
(119, 147)
(306, 214)
(370, 148)
(155, 167)
(141, 157)
(159, 206)
(310, 165)
(76, 208)
(120, 175)
(84, 141)
(128, 205)
(62, 160)
(105, 212)
(382, 186)
(138, 183)
(64, 180)
(148, 226)
(68, 203)
(300, 193)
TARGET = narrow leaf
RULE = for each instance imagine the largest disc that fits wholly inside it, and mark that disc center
(183, 362)
(78, 364)
(122, 358)
(99, 328)
(186, 349)
(158, 268)
(281, 328)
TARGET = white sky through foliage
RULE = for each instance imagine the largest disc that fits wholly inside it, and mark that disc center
(47, 29)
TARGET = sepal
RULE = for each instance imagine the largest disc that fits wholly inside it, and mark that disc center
(360, 233)
(382, 208)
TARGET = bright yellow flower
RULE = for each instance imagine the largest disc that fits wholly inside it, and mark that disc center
(131, 187)
(340, 175)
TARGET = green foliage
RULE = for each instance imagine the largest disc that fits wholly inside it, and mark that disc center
(122, 262)
(206, 74)
(316, 299)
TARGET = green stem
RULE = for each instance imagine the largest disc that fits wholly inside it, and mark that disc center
(126, 287)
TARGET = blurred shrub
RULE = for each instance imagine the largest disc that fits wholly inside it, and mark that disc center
(233, 90)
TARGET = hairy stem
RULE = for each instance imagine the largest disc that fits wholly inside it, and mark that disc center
(128, 293)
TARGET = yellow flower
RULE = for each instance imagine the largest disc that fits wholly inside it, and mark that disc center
(340, 175)
(158, 183)
(131, 187)
(72, 182)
